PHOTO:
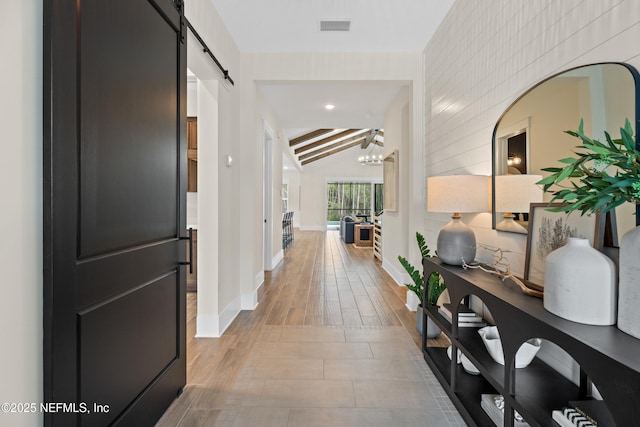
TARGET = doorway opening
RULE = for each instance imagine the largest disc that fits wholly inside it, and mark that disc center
(355, 198)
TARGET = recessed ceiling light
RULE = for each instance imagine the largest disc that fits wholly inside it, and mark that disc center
(329, 106)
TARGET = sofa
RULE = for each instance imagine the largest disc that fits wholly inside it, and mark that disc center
(346, 228)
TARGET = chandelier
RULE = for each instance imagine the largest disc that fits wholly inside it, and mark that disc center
(371, 160)
(375, 157)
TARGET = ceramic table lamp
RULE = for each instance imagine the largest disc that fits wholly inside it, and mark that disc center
(457, 194)
(514, 193)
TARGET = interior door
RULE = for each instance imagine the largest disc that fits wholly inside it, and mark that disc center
(114, 210)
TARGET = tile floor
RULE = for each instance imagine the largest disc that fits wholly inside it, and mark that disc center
(264, 372)
(311, 376)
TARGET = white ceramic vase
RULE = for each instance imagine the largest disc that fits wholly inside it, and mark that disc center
(491, 339)
(580, 284)
(629, 286)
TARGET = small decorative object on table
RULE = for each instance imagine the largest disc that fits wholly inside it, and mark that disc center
(604, 176)
(493, 405)
(524, 356)
(449, 351)
(570, 417)
(467, 365)
(435, 288)
(595, 412)
(502, 268)
(467, 318)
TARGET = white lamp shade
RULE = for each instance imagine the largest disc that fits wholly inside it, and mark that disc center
(514, 193)
(458, 193)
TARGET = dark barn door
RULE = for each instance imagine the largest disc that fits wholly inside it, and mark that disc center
(114, 210)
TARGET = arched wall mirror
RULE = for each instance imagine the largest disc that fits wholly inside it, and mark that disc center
(530, 136)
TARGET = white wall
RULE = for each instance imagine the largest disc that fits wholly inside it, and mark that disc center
(192, 98)
(397, 237)
(219, 268)
(208, 210)
(507, 46)
(270, 121)
(21, 213)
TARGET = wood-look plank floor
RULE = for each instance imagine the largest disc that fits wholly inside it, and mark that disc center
(331, 337)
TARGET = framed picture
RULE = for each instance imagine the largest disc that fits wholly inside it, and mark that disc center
(390, 175)
(550, 230)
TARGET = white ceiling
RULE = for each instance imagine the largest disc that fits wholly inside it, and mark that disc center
(358, 104)
(293, 25)
(377, 26)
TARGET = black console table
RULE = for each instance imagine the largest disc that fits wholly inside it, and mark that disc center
(606, 356)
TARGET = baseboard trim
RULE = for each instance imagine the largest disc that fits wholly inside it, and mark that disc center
(212, 326)
(401, 279)
(207, 326)
(258, 280)
(276, 259)
(412, 301)
(397, 276)
(250, 301)
(229, 313)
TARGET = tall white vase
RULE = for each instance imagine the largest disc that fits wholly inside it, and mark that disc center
(580, 284)
(629, 292)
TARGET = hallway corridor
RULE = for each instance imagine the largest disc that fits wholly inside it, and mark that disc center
(330, 344)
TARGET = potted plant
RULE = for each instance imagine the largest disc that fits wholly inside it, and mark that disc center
(604, 176)
(435, 287)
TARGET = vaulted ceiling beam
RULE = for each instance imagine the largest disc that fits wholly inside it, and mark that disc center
(365, 143)
(308, 136)
(327, 154)
(372, 137)
(330, 147)
(327, 140)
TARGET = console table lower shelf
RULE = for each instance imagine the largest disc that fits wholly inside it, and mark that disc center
(605, 356)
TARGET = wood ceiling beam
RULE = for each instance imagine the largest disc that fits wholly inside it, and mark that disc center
(365, 144)
(308, 136)
(372, 138)
(327, 154)
(330, 147)
(326, 140)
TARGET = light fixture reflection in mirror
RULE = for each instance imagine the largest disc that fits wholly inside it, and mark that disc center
(533, 128)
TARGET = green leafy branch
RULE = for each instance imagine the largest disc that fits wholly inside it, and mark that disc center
(606, 175)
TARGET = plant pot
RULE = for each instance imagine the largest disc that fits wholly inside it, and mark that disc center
(432, 329)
